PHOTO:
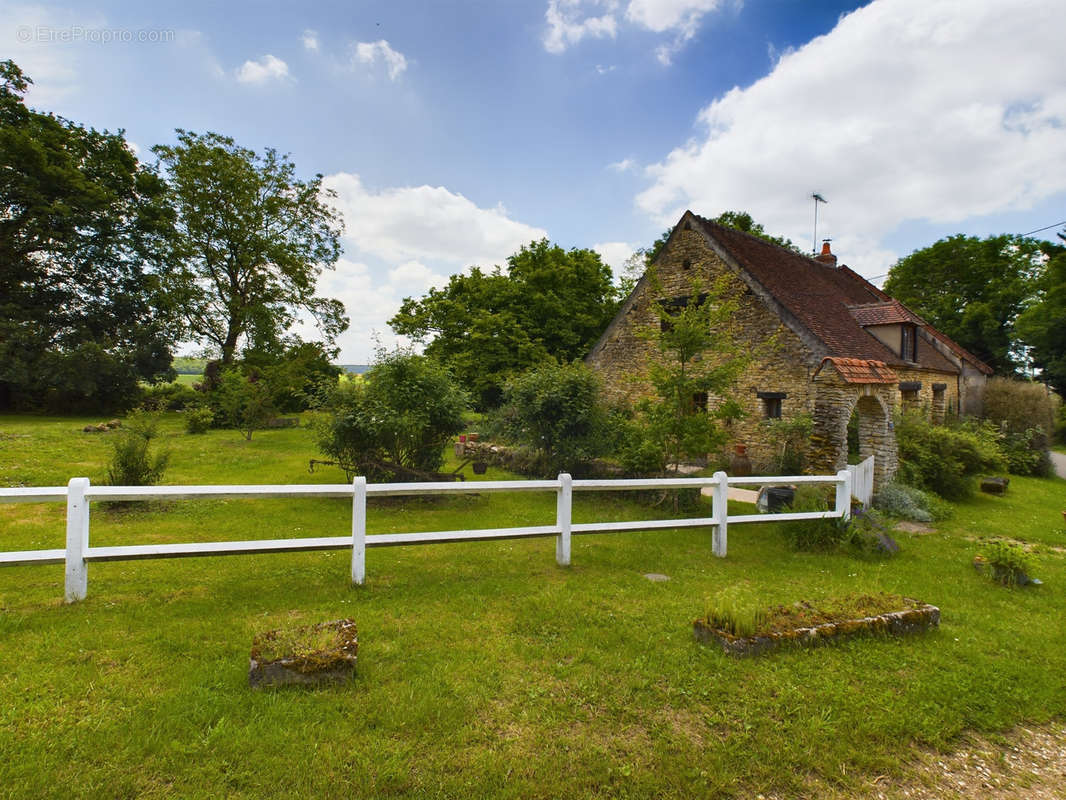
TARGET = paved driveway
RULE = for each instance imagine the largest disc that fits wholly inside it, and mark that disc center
(1059, 460)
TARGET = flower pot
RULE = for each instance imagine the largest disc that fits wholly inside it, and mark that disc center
(740, 464)
(473, 436)
(480, 467)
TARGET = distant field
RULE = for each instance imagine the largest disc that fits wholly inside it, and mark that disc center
(484, 669)
(188, 380)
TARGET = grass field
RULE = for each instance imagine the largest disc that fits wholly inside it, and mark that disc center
(485, 670)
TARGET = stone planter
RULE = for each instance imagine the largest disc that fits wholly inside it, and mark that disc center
(894, 623)
(299, 658)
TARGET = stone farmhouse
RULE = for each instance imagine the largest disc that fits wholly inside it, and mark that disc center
(824, 342)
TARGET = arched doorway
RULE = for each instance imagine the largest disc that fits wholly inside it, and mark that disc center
(864, 388)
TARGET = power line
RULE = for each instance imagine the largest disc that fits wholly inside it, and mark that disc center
(1046, 228)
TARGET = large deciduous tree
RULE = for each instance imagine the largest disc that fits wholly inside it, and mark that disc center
(82, 317)
(490, 326)
(973, 290)
(253, 239)
(1042, 326)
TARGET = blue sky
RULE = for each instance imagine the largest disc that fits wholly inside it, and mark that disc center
(455, 132)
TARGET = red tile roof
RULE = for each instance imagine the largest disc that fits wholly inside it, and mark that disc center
(886, 313)
(822, 298)
(857, 370)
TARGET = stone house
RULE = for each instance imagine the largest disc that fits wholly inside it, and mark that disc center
(823, 340)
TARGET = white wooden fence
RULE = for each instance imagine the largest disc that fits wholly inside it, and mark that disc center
(862, 481)
(78, 494)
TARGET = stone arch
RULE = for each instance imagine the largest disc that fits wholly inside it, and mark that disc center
(837, 393)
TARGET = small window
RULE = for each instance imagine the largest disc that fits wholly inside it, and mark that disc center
(686, 264)
(699, 402)
(771, 403)
(908, 343)
(909, 391)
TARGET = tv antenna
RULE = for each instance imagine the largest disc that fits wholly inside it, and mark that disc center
(817, 199)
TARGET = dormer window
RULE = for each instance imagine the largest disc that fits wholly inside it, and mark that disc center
(908, 343)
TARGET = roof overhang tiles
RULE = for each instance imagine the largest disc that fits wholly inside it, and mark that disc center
(859, 370)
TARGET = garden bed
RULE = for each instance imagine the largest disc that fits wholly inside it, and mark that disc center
(310, 655)
(806, 624)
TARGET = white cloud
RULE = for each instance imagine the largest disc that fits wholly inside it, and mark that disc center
(603, 70)
(309, 39)
(568, 23)
(625, 165)
(614, 254)
(372, 52)
(267, 68)
(907, 110)
(682, 16)
(426, 222)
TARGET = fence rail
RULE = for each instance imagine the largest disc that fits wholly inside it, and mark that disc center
(79, 494)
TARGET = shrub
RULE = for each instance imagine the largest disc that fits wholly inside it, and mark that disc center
(395, 424)
(906, 502)
(555, 409)
(945, 459)
(169, 397)
(198, 419)
(1027, 453)
(788, 444)
(1020, 405)
(132, 462)
(242, 401)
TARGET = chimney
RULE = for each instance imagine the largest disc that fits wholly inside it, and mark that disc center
(826, 256)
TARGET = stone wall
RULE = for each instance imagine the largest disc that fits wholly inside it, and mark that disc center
(781, 362)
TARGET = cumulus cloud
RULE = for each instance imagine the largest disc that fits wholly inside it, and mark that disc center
(907, 110)
(268, 68)
(570, 21)
(309, 39)
(615, 254)
(380, 51)
(426, 223)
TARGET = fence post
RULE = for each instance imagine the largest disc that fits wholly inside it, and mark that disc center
(720, 511)
(843, 505)
(359, 530)
(563, 515)
(77, 573)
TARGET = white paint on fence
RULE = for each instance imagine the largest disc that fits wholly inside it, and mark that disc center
(78, 495)
(862, 481)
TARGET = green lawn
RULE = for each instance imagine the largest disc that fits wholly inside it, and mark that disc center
(485, 670)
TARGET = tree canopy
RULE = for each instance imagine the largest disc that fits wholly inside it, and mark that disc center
(1042, 326)
(82, 314)
(973, 290)
(252, 240)
(489, 326)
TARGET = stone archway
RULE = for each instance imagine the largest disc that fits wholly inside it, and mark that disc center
(865, 387)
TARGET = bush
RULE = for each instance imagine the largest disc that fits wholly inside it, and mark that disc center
(395, 424)
(198, 419)
(906, 502)
(1027, 453)
(299, 374)
(1019, 406)
(945, 459)
(555, 410)
(169, 397)
(788, 444)
(132, 462)
(242, 400)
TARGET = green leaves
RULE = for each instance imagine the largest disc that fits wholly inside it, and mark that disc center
(973, 290)
(251, 241)
(489, 326)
